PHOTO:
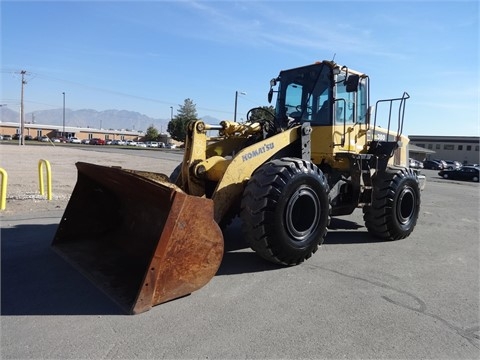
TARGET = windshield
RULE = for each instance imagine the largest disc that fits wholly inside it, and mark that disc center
(304, 94)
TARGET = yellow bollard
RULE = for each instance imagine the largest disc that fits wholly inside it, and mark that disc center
(3, 194)
(42, 162)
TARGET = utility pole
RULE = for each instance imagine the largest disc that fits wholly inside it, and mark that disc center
(63, 132)
(22, 115)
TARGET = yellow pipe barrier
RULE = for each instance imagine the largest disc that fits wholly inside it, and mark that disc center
(3, 195)
(42, 162)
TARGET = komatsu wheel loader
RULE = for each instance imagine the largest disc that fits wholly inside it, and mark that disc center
(146, 238)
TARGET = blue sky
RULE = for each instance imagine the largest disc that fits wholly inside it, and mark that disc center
(147, 56)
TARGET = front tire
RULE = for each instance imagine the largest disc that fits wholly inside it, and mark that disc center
(395, 206)
(285, 210)
(175, 173)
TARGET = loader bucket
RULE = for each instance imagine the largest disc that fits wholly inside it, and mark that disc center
(139, 238)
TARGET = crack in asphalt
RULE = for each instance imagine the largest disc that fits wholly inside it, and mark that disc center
(470, 334)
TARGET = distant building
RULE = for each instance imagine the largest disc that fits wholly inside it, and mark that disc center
(464, 149)
(82, 133)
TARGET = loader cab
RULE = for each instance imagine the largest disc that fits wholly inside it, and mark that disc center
(333, 99)
(323, 94)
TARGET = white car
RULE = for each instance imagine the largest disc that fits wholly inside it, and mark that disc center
(131, 143)
(152, 144)
(141, 144)
(74, 140)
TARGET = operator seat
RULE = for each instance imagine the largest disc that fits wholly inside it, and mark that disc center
(322, 115)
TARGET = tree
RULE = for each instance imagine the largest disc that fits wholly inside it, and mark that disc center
(178, 125)
(151, 133)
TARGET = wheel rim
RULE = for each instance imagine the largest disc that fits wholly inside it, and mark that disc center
(406, 206)
(302, 214)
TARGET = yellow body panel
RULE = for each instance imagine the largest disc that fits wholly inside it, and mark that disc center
(228, 162)
(244, 164)
(355, 139)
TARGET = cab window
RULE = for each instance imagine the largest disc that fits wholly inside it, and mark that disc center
(344, 103)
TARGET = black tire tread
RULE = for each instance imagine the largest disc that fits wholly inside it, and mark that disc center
(378, 216)
(260, 199)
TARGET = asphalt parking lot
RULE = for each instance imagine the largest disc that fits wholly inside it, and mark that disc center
(356, 298)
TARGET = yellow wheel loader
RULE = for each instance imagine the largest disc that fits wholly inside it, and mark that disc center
(145, 238)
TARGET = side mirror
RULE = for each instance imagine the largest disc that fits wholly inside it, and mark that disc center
(352, 83)
(273, 83)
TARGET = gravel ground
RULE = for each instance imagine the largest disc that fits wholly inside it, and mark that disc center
(22, 166)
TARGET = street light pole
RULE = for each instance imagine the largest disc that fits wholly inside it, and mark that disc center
(63, 134)
(236, 100)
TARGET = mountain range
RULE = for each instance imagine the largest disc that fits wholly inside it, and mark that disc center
(106, 119)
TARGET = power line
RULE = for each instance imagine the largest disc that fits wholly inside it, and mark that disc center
(119, 93)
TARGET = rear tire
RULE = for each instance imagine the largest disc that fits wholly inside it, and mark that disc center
(395, 206)
(285, 210)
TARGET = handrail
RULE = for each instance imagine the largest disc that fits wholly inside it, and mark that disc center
(401, 114)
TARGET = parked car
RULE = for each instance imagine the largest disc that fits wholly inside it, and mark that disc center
(415, 164)
(141, 144)
(44, 138)
(443, 164)
(97, 141)
(16, 137)
(28, 137)
(467, 173)
(85, 141)
(432, 165)
(452, 165)
(170, 146)
(152, 144)
(119, 142)
(74, 140)
(7, 137)
(131, 143)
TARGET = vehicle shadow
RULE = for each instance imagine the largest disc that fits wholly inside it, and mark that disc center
(238, 257)
(37, 281)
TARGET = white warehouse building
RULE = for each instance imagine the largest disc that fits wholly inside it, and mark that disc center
(464, 149)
